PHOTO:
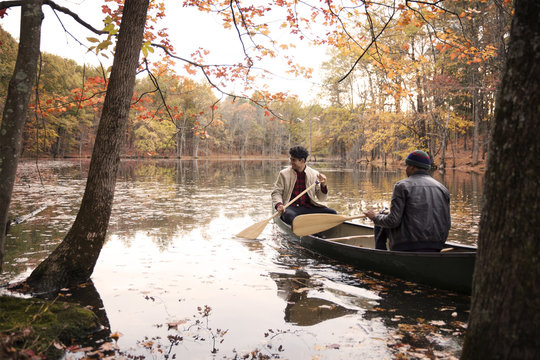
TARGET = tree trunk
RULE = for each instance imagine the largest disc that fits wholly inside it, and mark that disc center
(17, 99)
(178, 142)
(476, 103)
(74, 259)
(196, 142)
(506, 297)
(444, 143)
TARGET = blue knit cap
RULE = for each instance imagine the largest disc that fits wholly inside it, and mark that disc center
(419, 158)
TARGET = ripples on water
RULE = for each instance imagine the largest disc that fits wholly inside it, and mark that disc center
(171, 251)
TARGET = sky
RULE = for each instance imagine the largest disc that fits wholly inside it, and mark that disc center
(188, 29)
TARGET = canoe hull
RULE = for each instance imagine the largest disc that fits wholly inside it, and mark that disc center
(450, 270)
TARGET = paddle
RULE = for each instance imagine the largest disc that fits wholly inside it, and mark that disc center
(308, 224)
(255, 230)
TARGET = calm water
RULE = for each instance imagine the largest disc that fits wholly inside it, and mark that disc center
(172, 278)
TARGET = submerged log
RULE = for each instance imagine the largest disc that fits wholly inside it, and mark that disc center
(23, 218)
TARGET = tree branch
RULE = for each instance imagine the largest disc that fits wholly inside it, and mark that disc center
(215, 86)
(374, 39)
(75, 17)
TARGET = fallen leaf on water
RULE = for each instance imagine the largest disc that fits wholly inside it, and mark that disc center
(116, 335)
(79, 349)
(174, 325)
(437, 323)
(407, 327)
(327, 307)
(108, 346)
(96, 353)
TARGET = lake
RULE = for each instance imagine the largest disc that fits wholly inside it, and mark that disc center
(173, 281)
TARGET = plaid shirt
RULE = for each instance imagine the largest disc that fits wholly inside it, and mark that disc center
(300, 186)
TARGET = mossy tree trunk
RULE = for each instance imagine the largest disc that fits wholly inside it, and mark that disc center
(506, 294)
(16, 106)
(74, 259)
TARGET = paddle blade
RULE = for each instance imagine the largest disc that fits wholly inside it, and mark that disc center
(254, 230)
(313, 223)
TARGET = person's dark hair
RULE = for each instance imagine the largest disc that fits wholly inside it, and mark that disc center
(299, 152)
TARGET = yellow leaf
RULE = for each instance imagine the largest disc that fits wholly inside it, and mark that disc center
(116, 335)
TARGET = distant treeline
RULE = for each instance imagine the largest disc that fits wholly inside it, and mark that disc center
(410, 94)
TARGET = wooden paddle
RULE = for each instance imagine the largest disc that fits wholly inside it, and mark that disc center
(308, 224)
(255, 230)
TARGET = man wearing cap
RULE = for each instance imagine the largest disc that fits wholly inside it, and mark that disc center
(419, 217)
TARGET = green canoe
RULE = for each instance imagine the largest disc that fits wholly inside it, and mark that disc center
(353, 244)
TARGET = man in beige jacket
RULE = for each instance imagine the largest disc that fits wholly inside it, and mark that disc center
(295, 179)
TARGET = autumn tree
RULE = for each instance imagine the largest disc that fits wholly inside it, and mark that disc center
(428, 61)
(151, 129)
(8, 55)
(60, 118)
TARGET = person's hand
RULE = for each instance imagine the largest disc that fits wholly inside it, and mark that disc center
(322, 179)
(370, 214)
(281, 208)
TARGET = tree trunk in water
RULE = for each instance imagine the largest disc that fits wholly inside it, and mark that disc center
(16, 106)
(196, 142)
(74, 259)
(476, 103)
(506, 297)
(182, 138)
(178, 143)
(444, 143)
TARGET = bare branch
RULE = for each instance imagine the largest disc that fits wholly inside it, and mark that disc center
(231, 4)
(9, 4)
(374, 39)
(75, 17)
(158, 89)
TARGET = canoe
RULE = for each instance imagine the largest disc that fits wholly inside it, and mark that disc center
(353, 244)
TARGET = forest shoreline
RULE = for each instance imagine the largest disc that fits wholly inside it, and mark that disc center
(462, 162)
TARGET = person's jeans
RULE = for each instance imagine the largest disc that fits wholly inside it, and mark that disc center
(381, 235)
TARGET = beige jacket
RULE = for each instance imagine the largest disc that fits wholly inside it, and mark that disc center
(284, 185)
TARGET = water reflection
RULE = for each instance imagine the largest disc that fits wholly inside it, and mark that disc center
(304, 307)
(171, 248)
